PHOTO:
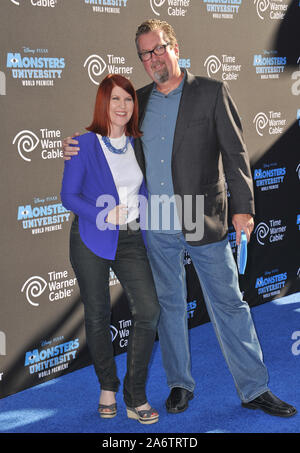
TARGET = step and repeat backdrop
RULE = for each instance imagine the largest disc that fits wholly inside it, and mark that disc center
(53, 54)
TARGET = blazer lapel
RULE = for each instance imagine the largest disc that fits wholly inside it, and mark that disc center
(184, 111)
(107, 179)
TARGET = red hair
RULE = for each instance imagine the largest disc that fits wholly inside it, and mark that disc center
(101, 121)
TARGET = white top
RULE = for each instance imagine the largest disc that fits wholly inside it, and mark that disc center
(126, 173)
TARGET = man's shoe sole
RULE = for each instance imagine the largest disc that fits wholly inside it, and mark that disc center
(254, 406)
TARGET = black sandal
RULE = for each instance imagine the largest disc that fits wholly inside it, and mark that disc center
(146, 417)
(111, 413)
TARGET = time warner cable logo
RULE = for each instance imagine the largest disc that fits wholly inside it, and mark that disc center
(298, 171)
(96, 66)
(175, 7)
(26, 142)
(295, 88)
(227, 64)
(276, 10)
(59, 285)
(33, 288)
(50, 141)
(2, 343)
(42, 3)
(274, 232)
(273, 123)
(2, 84)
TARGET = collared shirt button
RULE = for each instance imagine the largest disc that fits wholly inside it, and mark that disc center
(163, 138)
(162, 161)
(162, 183)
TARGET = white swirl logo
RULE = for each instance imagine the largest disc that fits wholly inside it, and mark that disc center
(34, 287)
(15, 2)
(298, 171)
(261, 6)
(27, 141)
(262, 231)
(261, 121)
(96, 66)
(2, 344)
(212, 64)
(114, 332)
(2, 84)
(156, 4)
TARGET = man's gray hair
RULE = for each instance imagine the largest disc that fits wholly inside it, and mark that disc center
(156, 24)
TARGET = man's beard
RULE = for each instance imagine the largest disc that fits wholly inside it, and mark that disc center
(162, 75)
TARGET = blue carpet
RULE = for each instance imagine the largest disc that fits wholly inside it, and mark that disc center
(68, 404)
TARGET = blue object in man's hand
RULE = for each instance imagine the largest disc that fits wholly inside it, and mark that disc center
(242, 253)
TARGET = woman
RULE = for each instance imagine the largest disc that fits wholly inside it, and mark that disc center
(102, 238)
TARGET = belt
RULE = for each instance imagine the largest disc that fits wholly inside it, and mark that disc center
(131, 227)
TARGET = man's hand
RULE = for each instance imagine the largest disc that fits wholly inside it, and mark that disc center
(243, 222)
(69, 150)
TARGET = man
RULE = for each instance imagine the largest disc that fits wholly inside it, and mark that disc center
(192, 143)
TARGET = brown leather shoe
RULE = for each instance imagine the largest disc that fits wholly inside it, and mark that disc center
(272, 405)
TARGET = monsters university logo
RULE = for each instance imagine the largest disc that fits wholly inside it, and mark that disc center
(223, 9)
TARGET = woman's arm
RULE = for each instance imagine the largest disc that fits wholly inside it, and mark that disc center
(75, 171)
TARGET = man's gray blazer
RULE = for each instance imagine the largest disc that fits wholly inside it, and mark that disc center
(208, 152)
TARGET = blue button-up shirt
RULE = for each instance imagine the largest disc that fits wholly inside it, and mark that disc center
(158, 134)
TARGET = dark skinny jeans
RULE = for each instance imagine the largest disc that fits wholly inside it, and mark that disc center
(132, 268)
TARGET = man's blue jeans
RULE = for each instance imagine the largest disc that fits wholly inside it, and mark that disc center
(229, 314)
